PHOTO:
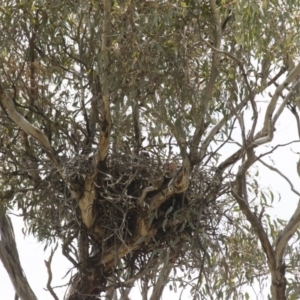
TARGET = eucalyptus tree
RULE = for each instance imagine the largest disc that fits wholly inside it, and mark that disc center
(114, 117)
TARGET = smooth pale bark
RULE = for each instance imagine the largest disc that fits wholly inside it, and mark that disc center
(10, 259)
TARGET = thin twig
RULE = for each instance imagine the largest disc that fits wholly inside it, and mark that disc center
(48, 266)
(281, 174)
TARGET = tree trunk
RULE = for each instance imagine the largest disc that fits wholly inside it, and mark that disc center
(278, 284)
(10, 259)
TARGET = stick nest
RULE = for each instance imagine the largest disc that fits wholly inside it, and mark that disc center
(120, 183)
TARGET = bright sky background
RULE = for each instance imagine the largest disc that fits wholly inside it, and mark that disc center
(32, 255)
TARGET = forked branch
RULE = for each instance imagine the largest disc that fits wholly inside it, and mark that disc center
(178, 184)
(266, 133)
(238, 194)
(29, 129)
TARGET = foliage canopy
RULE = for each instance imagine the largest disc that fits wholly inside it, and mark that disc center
(130, 132)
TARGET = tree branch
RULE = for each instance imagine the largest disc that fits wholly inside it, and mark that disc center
(161, 280)
(281, 174)
(10, 259)
(294, 112)
(48, 266)
(136, 126)
(265, 135)
(285, 102)
(178, 184)
(237, 192)
(286, 235)
(206, 97)
(218, 126)
(105, 128)
(29, 129)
